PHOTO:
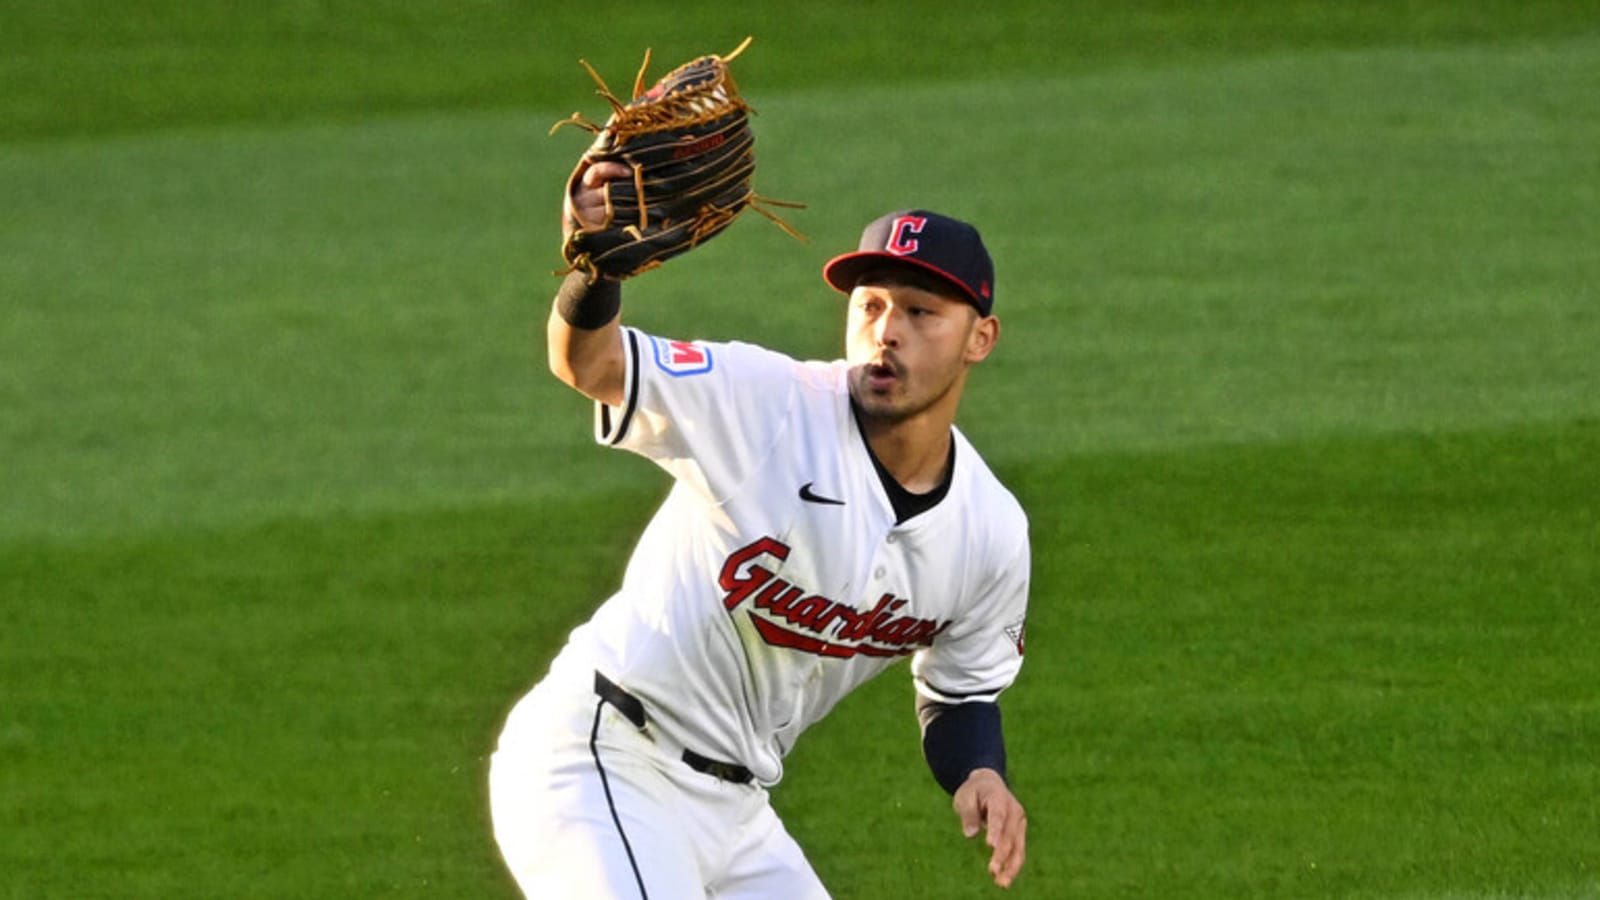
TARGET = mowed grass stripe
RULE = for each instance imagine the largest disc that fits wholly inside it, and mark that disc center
(1334, 668)
(301, 709)
(243, 324)
(82, 67)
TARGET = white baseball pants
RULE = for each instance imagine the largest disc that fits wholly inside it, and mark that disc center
(586, 805)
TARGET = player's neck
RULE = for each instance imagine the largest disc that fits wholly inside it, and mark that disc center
(914, 451)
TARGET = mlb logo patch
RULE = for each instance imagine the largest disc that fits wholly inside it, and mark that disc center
(1017, 632)
(680, 358)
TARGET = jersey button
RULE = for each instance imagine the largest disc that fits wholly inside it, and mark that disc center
(893, 537)
(879, 573)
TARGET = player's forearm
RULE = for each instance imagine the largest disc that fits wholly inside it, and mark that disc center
(584, 338)
(961, 738)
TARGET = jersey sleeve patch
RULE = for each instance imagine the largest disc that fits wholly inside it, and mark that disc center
(1017, 632)
(681, 358)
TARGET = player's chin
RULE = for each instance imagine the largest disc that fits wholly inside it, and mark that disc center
(885, 406)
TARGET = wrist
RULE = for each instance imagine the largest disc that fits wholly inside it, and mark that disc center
(588, 304)
(984, 773)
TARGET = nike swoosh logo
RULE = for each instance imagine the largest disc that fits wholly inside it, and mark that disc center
(811, 496)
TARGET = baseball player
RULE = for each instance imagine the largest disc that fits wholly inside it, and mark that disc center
(827, 519)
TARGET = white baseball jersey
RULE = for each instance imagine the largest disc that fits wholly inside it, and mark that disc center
(774, 578)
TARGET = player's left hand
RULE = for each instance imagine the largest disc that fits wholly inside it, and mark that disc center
(985, 803)
(585, 205)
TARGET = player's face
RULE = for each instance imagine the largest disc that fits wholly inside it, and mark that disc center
(909, 348)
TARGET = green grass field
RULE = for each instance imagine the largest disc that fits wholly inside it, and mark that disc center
(1299, 384)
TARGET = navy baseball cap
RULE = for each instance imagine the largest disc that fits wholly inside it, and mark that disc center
(949, 248)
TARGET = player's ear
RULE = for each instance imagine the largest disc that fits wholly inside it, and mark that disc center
(981, 340)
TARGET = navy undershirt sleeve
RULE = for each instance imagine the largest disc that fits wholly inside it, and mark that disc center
(960, 737)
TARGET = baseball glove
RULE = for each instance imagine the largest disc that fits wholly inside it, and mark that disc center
(688, 143)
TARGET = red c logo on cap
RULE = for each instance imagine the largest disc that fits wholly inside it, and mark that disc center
(899, 243)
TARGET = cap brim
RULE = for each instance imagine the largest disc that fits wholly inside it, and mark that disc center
(841, 272)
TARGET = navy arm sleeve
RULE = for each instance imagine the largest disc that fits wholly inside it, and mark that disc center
(958, 738)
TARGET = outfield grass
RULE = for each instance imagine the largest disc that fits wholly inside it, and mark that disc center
(1297, 383)
(1363, 671)
(89, 67)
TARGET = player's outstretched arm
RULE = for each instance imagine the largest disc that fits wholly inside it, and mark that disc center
(589, 359)
(985, 803)
(584, 332)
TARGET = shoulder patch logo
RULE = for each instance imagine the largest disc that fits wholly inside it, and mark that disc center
(1017, 631)
(680, 358)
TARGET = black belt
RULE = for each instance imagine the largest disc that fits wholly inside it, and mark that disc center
(633, 711)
